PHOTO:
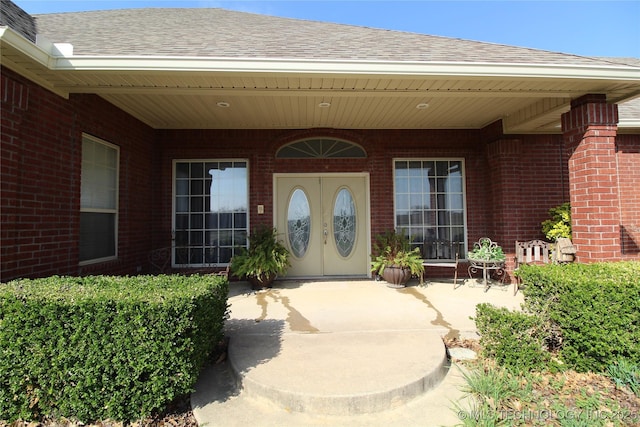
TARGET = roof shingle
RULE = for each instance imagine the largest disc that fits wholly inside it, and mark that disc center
(212, 32)
(14, 17)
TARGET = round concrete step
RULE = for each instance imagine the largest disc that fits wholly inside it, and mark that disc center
(339, 373)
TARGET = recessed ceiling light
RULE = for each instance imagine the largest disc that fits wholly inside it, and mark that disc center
(422, 106)
(324, 105)
(223, 104)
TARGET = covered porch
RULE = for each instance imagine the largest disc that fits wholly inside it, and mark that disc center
(496, 140)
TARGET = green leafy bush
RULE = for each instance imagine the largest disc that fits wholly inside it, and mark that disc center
(103, 347)
(560, 223)
(595, 308)
(515, 340)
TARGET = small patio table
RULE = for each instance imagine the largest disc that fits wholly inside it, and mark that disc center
(488, 268)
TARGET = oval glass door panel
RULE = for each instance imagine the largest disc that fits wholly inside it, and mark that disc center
(344, 222)
(299, 223)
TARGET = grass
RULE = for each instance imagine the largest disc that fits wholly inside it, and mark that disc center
(625, 374)
(502, 398)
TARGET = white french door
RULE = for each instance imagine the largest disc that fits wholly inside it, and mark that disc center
(323, 220)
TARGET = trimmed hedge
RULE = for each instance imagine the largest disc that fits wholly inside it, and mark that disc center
(515, 340)
(595, 307)
(101, 347)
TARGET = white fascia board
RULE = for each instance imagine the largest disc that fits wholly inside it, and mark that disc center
(387, 68)
(38, 54)
(55, 59)
(28, 48)
(635, 123)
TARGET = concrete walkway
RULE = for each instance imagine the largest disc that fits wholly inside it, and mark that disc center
(342, 353)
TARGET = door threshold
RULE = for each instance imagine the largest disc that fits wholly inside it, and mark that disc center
(324, 278)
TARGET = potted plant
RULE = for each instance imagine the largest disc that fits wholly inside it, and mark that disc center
(487, 256)
(394, 260)
(485, 250)
(264, 260)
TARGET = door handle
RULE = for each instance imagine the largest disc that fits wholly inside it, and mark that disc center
(326, 233)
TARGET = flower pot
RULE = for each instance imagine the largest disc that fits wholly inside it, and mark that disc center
(396, 277)
(262, 281)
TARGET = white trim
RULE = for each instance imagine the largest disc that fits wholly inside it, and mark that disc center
(354, 67)
(30, 49)
(55, 60)
(115, 211)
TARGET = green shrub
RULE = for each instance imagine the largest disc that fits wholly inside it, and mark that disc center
(515, 340)
(560, 223)
(102, 347)
(596, 308)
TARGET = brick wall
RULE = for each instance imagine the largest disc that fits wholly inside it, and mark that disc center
(260, 146)
(510, 182)
(533, 178)
(41, 155)
(136, 142)
(628, 158)
(527, 176)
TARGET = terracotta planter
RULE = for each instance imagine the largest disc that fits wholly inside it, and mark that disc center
(261, 282)
(396, 277)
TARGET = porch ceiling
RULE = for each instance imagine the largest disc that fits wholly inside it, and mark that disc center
(360, 102)
(361, 95)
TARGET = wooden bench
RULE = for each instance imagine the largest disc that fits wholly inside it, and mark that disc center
(441, 254)
(530, 252)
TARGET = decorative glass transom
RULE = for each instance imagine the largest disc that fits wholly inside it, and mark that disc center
(344, 222)
(321, 148)
(299, 223)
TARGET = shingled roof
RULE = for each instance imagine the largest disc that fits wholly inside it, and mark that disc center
(219, 33)
(13, 17)
(172, 68)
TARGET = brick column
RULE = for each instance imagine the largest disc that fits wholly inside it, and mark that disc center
(590, 129)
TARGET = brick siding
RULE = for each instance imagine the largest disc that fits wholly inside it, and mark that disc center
(41, 159)
(511, 182)
(628, 157)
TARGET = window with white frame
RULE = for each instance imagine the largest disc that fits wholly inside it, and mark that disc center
(211, 210)
(430, 205)
(98, 200)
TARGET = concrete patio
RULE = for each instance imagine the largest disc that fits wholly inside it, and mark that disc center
(338, 353)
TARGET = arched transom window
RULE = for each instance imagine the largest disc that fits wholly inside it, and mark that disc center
(321, 148)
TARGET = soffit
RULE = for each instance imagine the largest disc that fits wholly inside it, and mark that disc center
(358, 102)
